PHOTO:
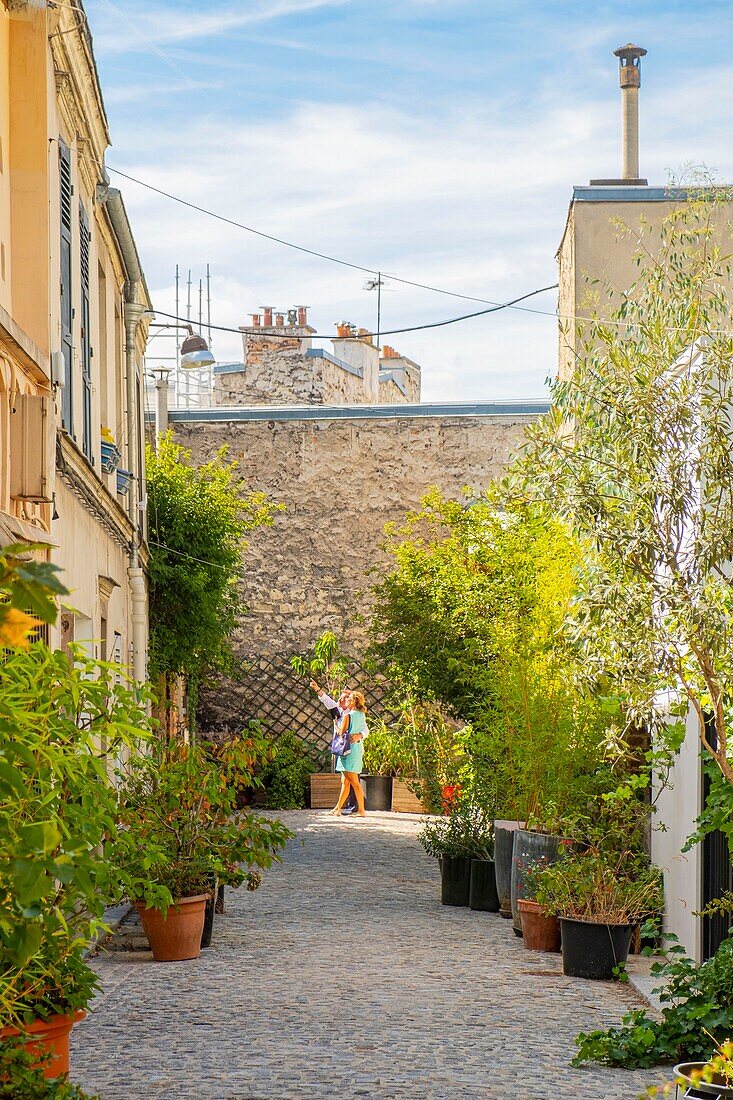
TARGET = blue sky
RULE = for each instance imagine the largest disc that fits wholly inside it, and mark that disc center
(437, 140)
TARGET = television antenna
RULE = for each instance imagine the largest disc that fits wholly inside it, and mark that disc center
(377, 284)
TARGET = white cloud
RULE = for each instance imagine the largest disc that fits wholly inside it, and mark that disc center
(161, 25)
(471, 197)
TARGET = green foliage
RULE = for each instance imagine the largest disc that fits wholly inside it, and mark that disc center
(60, 725)
(473, 616)
(386, 751)
(198, 518)
(180, 827)
(597, 886)
(22, 1077)
(467, 832)
(636, 456)
(286, 776)
(697, 1009)
(326, 664)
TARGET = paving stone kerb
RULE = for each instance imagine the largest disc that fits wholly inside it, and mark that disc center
(344, 976)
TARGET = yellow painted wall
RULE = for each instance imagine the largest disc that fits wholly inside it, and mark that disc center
(31, 81)
(5, 295)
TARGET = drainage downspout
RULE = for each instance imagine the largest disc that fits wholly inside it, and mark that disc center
(134, 311)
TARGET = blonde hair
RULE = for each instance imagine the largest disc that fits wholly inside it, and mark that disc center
(358, 700)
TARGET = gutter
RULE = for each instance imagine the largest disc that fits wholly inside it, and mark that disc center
(134, 311)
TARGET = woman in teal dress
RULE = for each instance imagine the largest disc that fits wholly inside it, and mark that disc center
(354, 721)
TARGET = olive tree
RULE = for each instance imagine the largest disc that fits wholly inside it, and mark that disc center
(636, 454)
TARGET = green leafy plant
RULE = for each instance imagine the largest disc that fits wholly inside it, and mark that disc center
(472, 616)
(697, 1010)
(199, 517)
(63, 719)
(466, 832)
(591, 885)
(635, 455)
(327, 664)
(22, 1075)
(286, 776)
(179, 828)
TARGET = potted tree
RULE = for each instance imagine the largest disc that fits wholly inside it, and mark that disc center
(600, 898)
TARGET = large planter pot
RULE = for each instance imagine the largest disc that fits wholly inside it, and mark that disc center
(483, 895)
(177, 936)
(530, 848)
(404, 800)
(48, 1035)
(378, 792)
(455, 880)
(592, 950)
(504, 832)
(540, 932)
(325, 789)
(701, 1088)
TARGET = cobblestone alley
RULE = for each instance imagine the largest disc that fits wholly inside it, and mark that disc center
(344, 976)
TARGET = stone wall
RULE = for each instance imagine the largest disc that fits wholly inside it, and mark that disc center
(341, 480)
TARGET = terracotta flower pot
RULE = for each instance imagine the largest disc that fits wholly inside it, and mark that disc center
(48, 1035)
(177, 936)
(541, 933)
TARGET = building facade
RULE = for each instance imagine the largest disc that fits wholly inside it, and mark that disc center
(280, 366)
(73, 329)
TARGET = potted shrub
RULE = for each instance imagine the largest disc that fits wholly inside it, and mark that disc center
(532, 847)
(57, 804)
(57, 986)
(600, 899)
(540, 930)
(381, 763)
(456, 841)
(178, 829)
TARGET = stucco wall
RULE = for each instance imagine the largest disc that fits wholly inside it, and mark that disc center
(340, 482)
(678, 806)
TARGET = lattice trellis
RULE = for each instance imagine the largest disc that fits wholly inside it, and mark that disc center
(270, 691)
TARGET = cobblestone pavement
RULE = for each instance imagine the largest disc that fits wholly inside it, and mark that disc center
(344, 976)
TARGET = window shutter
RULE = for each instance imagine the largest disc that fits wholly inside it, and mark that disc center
(86, 336)
(67, 313)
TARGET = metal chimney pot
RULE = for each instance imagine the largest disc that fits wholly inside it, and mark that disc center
(629, 60)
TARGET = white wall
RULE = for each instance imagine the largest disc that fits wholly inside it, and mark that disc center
(678, 807)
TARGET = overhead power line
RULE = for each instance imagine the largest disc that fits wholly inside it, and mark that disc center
(290, 244)
(362, 334)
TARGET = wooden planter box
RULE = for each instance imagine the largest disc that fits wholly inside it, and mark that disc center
(404, 801)
(325, 787)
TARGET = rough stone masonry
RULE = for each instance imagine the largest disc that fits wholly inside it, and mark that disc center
(342, 473)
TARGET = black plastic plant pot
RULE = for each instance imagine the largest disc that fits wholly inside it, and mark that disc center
(455, 880)
(592, 950)
(209, 915)
(378, 792)
(503, 844)
(483, 895)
